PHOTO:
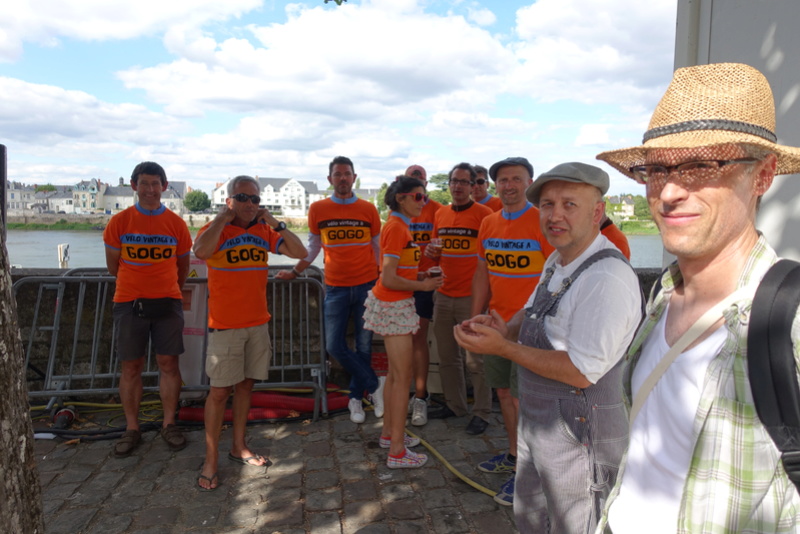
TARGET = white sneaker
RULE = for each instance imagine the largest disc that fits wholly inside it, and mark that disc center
(377, 397)
(419, 410)
(356, 411)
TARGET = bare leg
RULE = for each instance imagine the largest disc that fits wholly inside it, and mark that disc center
(130, 391)
(169, 386)
(509, 406)
(241, 406)
(421, 360)
(214, 416)
(399, 351)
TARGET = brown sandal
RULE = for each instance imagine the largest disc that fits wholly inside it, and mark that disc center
(127, 443)
(174, 437)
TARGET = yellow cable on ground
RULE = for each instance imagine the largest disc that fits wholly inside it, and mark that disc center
(452, 469)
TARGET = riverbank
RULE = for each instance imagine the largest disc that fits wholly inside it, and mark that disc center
(95, 222)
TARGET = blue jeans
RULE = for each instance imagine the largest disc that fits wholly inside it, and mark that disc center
(342, 303)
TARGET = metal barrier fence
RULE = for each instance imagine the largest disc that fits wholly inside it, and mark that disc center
(67, 330)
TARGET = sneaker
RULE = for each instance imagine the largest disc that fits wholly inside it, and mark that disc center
(419, 412)
(377, 397)
(408, 461)
(356, 411)
(385, 443)
(499, 464)
(505, 496)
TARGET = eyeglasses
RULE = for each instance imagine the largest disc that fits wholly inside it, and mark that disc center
(460, 182)
(244, 197)
(480, 181)
(419, 197)
(690, 171)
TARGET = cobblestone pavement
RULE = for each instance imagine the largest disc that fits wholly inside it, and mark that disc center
(327, 477)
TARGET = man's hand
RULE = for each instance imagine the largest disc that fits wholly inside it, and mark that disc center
(285, 275)
(481, 335)
(263, 215)
(491, 320)
(225, 214)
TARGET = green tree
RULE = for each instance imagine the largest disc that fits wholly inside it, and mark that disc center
(383, 209)
(438, 188)
(640, 207)
(46, 187)
(196, 201)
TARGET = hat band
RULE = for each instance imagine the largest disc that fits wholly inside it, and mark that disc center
(710, 124)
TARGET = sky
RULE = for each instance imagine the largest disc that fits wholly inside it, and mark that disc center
(211, 90)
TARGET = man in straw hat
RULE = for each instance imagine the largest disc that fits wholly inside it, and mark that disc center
(699, 459)
(568, 342)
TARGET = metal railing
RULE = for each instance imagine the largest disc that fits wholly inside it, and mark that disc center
(67, 330)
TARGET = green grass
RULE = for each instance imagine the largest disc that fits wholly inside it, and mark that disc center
(638, 227)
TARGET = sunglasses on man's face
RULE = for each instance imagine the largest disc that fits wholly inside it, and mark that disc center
(480, 181)
(244, 197)
(418, 197)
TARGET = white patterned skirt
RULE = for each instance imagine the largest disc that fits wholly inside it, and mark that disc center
(390, 318)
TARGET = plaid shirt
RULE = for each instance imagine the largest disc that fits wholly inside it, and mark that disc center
(736, 481)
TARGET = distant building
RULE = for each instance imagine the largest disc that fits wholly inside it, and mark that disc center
(620, 206)
(285, 196)
(87, 196)
(19, 196)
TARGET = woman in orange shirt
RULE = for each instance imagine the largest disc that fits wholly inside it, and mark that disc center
(390, 312)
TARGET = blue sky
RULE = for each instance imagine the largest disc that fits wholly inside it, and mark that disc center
(209, 89)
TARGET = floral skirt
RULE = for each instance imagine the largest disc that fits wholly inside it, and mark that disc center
(390, 318)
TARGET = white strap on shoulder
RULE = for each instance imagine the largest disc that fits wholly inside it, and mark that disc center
(704, 323)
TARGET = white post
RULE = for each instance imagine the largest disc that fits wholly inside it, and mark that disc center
(63, 256)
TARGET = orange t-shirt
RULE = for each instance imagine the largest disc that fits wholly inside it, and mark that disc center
(150, 243)
(396, 241)
(458, 230)
(421, 230)
(514, 249)
(346, 228)
(493, 202)
(237, 275)
(615, 235)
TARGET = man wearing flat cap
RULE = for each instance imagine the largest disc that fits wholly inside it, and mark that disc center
(699, 459)
(568, 342)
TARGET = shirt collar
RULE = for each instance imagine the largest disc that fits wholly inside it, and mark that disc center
(512, 216)
(344, 201)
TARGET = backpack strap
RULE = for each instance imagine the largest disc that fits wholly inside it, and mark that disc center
(771, 364)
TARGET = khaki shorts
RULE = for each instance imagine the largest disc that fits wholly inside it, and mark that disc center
(238, 353)
(500, 373)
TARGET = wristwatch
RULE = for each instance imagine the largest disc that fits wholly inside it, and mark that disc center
(281, 227)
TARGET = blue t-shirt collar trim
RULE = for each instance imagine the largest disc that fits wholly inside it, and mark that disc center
(512, 216)
(344, 201)
(161, 209)
(405, 219)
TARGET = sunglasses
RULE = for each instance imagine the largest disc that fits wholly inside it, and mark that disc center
(419, 197)
(480, 181)
(244, 197)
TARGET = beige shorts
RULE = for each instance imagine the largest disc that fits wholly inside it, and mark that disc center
(238, 353)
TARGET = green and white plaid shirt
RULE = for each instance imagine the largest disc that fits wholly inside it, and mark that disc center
(736, 481)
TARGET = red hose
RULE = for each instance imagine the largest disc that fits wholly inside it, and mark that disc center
(195, 413)
(269, 405)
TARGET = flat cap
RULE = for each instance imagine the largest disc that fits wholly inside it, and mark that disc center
(575, 172)
(516, 160)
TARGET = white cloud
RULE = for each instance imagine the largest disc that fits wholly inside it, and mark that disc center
(47, 21)
(596, 51)
(481, 16)
(592, 135)
(362, 62)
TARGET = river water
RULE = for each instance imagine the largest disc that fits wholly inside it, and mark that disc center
(39, 249)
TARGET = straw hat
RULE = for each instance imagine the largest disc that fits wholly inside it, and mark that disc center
(711, 105)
